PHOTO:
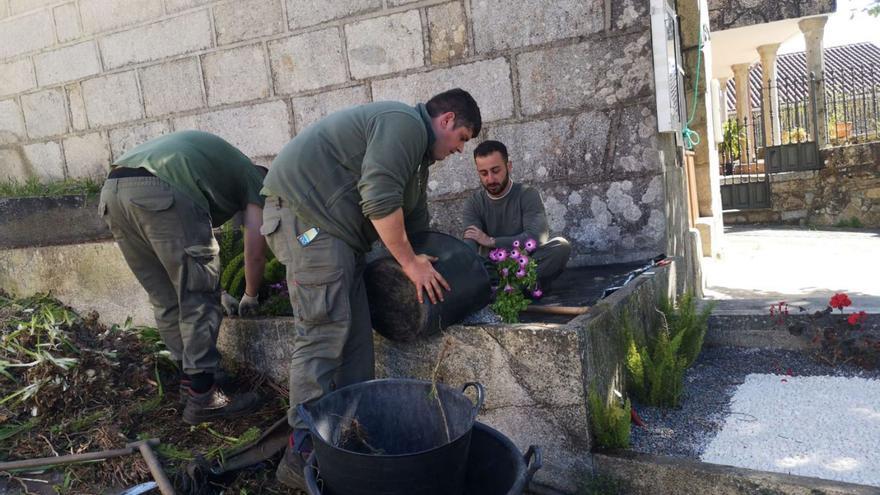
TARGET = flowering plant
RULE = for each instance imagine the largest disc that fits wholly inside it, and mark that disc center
(837, 338)
(517, 273)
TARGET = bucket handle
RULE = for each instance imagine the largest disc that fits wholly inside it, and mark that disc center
(306, 417)
(481, 394)
(534, 460)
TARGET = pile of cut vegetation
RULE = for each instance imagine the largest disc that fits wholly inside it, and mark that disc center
(69, 385)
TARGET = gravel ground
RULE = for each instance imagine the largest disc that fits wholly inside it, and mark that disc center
(709, 386)
(822, 426)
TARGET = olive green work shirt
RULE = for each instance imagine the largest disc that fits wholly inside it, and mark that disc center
(355, 165)
(207, 169)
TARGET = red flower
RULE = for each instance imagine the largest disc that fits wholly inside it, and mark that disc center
(856, 318)
(840, 301)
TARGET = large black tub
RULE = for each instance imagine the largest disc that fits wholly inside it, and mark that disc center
(393, 436)
(495, 466)
(394, 308)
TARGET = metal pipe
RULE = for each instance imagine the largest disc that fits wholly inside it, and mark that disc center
(862, 88)
(155, 466)
(63, 459)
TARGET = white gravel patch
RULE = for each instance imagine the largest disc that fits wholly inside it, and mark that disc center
(822, 426)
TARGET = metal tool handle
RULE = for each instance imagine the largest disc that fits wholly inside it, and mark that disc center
(165, 486)
(534, 461)
(481, 394)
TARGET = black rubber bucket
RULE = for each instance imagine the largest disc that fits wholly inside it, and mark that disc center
(394, 309)
(495, 466)
(398, 444)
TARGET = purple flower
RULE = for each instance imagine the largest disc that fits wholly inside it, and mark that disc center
(505, 272)
(498, 255)
(523, 261)
(516, 243)
(515, 253)
(531, 245)
(508, 288)
(537, 293)
(520, 273)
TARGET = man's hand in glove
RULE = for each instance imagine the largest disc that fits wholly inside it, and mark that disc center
(229, 303)
(248, 305)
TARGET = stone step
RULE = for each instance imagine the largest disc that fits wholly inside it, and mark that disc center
(747, 323)
(645, 474)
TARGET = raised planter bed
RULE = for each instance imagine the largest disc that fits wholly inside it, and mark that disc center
(536, 374)
(49, 221)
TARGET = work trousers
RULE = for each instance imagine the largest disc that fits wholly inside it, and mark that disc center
(552, 256)
(332, 341)
(168, 243)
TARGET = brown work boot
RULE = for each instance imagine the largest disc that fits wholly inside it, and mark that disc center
(221, 379)
(290, 469)
(215, 404)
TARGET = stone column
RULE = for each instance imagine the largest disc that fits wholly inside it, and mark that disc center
(813, 29)
(770, 95)
(722, 97)
(694, 15)
(744, 104)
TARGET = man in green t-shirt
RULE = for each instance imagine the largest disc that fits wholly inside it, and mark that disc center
(503, 212)
(161, 201)
(356, 176)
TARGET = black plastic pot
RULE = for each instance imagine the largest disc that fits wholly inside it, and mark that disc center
(388, 437)
(394, 308)
(495, 466)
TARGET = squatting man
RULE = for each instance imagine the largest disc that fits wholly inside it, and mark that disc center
(502, 212)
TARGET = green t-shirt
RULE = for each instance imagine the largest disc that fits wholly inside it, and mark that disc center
(355, 165)
(519, 215)
(213, 173)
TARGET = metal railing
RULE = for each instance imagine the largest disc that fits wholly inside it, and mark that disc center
(744, 181)
(851, 104)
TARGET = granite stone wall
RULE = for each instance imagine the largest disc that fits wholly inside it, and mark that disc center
(730, 14)
(568, 85)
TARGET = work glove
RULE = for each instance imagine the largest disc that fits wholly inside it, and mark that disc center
(248, 305)
(229, 303)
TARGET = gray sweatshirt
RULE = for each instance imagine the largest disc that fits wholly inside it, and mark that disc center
(518, 215)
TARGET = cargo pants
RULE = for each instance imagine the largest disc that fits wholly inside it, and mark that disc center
(168, 243)
(551, 257)
(333, 340)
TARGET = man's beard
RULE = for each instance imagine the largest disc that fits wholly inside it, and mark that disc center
(502, 187)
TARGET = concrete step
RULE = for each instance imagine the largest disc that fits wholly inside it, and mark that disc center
(747, 323)
(647, 474)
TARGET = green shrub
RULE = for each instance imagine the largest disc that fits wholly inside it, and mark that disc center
(611, 422)
(33, 187)
(851, 223)
(655, 369)
(685, 319)
(232, 273)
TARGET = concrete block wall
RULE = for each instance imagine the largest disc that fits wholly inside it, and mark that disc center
(567, 84)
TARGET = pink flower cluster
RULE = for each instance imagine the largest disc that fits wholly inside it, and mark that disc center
(518, 253)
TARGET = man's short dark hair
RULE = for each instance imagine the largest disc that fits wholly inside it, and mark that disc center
(488, 147)
(462, 104)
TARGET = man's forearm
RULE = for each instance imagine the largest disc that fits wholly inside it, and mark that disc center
(392, 231)
(507, 240)
(254, 250)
